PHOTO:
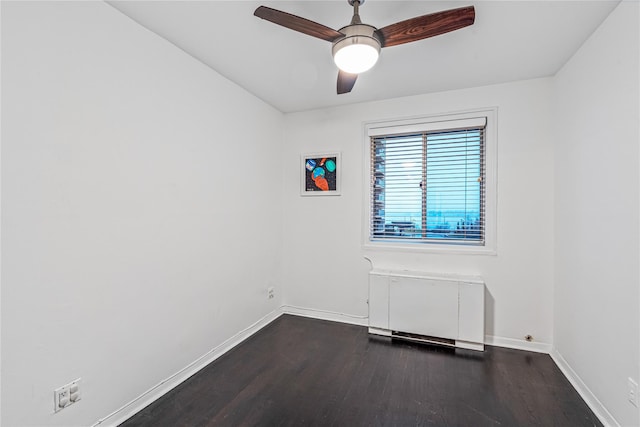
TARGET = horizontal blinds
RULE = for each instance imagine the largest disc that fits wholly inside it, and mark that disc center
(429, 186)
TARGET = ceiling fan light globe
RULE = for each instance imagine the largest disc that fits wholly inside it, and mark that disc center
(356, 58)
(358, 51)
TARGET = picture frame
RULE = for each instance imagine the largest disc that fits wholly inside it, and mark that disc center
(320, 174)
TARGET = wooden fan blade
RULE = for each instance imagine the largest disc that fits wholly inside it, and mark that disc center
(426, 26)
(297, 23)
(346, 82)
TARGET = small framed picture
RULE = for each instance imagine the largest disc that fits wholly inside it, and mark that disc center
(320, 174)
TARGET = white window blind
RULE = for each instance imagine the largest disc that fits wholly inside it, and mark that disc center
(429, 185)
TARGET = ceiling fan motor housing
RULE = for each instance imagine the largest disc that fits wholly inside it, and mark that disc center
(357, 34)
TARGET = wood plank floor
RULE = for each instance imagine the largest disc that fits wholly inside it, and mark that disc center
(306, 372)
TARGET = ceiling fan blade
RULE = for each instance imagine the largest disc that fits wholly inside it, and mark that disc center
(297, 23)
(426, 26)
(346, 82)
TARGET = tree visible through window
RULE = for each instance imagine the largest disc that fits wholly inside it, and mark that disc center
(429, 186)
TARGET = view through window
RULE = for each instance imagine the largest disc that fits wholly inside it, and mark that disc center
(429, 186)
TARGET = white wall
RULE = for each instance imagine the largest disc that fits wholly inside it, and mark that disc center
(324, 265)
(140, 209)
(127, 253)
(596, 142)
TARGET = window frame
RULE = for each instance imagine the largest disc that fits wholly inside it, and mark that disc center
(439, 122)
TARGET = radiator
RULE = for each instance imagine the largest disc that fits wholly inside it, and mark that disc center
(436, 308)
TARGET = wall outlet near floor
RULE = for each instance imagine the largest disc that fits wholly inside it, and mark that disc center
(632, 393)
(66, 395)
(271, 292)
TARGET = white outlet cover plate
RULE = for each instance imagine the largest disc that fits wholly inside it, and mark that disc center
(62, 393)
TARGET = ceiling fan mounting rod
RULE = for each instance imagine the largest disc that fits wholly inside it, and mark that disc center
(356, 11)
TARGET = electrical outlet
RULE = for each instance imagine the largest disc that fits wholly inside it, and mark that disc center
(633, 391)
(66, 395)
(270, 292)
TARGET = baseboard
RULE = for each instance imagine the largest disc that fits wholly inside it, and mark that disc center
(590, 399)
(536, 347)
(326, 315)
(154, 393)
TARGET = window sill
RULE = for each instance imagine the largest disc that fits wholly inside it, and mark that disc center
(432, 248)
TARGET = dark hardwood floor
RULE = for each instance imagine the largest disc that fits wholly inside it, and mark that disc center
(306, 372)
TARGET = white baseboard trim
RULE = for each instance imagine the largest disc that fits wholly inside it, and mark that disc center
(326, 315)
(590, 399)
(537, 347)
(154, 393)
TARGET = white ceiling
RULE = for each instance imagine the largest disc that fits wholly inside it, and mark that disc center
(510, 40)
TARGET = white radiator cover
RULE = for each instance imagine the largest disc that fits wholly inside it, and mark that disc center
(448, 307)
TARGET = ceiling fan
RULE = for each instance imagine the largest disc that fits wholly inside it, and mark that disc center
(356, 47)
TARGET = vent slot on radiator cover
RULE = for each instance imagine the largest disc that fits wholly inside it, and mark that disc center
(423, 339)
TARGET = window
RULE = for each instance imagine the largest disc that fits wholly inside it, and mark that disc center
(428, 182)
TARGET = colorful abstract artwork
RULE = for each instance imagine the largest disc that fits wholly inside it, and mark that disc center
(320, 174)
